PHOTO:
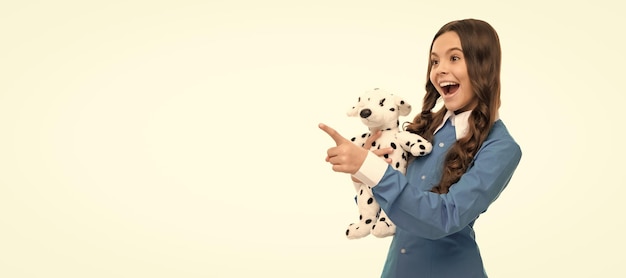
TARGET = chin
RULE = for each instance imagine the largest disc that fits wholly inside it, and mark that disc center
(451, 107)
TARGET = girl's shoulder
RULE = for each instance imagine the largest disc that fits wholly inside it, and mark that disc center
(499, 136)
(499, 131)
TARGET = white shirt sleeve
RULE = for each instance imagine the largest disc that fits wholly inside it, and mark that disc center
(372, 170)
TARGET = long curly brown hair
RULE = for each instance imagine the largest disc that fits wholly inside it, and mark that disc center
(481, 49)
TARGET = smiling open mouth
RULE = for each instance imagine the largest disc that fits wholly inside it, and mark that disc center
(449, 87)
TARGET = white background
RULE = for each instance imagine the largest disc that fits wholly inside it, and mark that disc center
(180, 139)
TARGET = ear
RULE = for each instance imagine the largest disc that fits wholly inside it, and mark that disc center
(403, 106)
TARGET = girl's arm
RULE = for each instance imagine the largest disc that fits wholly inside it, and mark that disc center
(433, 215)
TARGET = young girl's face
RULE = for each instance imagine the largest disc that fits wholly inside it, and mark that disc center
(448, 73)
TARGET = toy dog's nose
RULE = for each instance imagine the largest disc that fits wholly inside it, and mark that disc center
(365, 113)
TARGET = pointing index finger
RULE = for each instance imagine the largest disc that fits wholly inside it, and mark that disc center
(333, 134)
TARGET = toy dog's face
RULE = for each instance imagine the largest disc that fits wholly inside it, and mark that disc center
(378, 108)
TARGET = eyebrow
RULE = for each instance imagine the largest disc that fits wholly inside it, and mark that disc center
(449, 50)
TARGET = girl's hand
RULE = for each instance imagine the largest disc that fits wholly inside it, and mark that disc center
(347, 157)
(379, 152)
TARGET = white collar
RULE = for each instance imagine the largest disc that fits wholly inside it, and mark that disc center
(458, 121)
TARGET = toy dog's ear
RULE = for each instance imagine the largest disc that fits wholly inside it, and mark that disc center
(403, 107)
(352, 112)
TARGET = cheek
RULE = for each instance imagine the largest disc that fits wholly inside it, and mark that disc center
(432, 80)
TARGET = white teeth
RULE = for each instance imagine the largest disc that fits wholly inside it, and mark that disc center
(447, 83)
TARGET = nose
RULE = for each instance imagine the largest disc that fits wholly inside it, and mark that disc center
(365, 113)
(442, 68)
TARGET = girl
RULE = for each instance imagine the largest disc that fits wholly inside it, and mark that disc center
(436, 204)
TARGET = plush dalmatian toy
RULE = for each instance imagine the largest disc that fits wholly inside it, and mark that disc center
(380, 110)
